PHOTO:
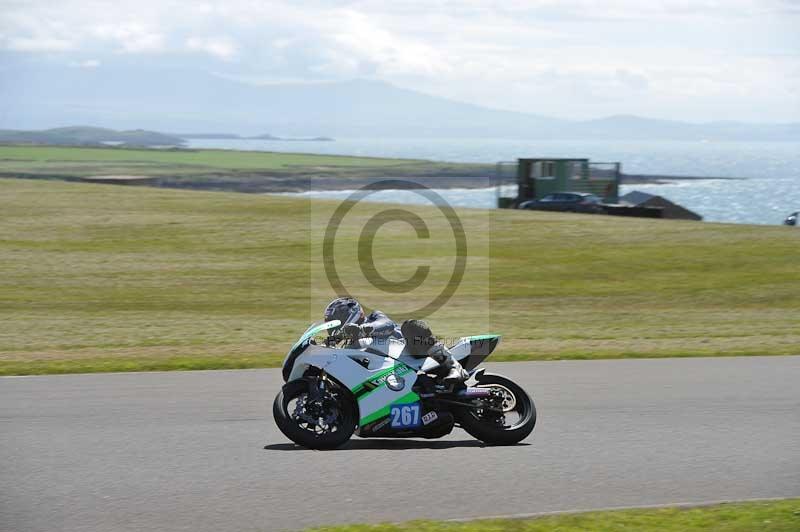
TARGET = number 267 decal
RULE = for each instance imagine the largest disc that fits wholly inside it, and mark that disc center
(405, 416)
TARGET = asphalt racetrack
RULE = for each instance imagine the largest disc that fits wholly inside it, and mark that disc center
(186, 451)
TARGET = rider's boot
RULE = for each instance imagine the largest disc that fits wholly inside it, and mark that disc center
(455, 372)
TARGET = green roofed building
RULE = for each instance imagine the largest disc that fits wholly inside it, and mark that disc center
(530, 178)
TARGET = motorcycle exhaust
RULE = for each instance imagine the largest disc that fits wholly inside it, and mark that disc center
(474, 392)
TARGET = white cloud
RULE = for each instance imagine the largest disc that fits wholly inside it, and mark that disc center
(359, 38)
(699, 59)
(88, 63)
(39, 44)
(220, 47)
(130, 37)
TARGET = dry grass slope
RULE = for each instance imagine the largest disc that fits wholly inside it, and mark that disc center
(102, 277)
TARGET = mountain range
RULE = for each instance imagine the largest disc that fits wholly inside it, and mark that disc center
(191, 100)
(89, 136)
(96, 136)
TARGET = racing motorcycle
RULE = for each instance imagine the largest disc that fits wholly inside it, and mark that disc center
(335, 387)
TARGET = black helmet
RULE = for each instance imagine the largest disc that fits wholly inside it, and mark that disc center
(418, 336)
(346, 310)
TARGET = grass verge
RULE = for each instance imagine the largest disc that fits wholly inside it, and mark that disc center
(249, 171)
(189, 362)
(767, 516)
(109, 278)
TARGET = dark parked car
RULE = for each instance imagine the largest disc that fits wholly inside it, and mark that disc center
(565, 202)
(792, 219)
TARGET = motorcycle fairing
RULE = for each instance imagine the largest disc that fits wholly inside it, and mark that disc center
(301, 344)
(471, 351)
(377, 378)
(370, 384)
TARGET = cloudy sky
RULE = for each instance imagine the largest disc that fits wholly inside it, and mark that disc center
(693, 60)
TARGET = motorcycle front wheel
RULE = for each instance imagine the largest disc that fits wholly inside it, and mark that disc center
(316, 419)
(511, 426)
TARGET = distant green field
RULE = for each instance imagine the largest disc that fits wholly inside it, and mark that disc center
(102, 277)
(75, 161)
(221, 159)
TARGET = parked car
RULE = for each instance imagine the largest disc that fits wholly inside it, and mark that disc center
(793, 219)
(566, 202)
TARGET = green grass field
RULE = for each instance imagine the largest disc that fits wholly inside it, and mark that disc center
(82, 162)
(768, 516)
(109, 278)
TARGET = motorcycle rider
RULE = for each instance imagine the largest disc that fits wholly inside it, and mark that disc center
(419, 338)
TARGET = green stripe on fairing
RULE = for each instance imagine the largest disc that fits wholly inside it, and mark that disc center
(312, 331)
(383, 412)
(364, 390)
(361, 392)
(377, 375)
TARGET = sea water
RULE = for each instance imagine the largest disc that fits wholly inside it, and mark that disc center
(769, 192)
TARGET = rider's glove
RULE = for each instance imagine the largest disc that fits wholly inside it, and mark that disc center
(351, 331)
(438, 352)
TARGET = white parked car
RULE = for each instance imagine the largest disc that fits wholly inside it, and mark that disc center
(793, 219)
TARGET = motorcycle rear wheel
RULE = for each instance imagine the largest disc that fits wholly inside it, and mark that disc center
(324, 424)
(487, 428)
